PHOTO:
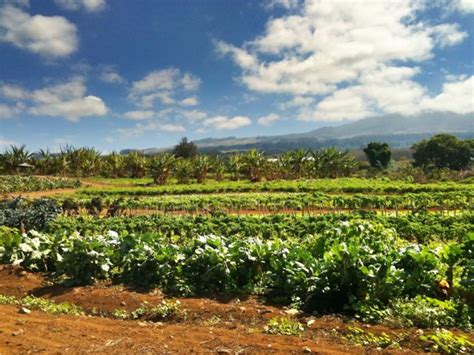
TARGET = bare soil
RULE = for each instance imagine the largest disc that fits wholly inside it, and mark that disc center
(215, 324)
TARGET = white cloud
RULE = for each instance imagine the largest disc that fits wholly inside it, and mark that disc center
(13, 92)
(466, 6)
(455, 97)
(154, 126)
(88, 5)
(448, 35)
(7, 111)
(297, 101)
(72, 109)
(68, 100)
(356, 58)
(268, 119)
(112, 77)
(190, 101)
(139, 114)
(171, 128)
(288, 4)
(193, 115)
(49, 36)
(162, 85)
(224, 122)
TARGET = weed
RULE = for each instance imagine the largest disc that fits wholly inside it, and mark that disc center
(446, 342)
(284, 326)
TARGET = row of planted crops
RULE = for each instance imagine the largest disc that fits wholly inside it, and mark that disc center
(325, 263)
(416, 266)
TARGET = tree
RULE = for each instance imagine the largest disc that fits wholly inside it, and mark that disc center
(160, 167)
(183, 171)
(254, 165)
(202, 165)
(443, 151)
(185, 149)
(135, 164)
(379, 154)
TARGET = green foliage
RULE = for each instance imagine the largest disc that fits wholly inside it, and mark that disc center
(161, 167)
(28, 215)
(446, 342)
(185, 149)
(344, 265)
(284, 326)
(359, 336)
(379, 154)
(17, 183)
(43, 305)
(443, 150)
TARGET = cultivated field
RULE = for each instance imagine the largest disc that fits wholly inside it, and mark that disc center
(288, 266)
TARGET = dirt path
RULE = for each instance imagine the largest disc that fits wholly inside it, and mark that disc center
(220, 326)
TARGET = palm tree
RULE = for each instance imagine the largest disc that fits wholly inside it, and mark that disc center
(254, 165)
(201, 168)
(160, 167)
(218, 167)
(114, 164)
(183, 170)
(14, 156)
(45, 162)
(236, 164)
(135, 164)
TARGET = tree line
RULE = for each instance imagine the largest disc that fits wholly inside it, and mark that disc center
(185, 164)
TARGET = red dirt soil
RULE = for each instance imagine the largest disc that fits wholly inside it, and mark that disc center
(219, 325)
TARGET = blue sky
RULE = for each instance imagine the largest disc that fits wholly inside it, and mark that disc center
(118, 74)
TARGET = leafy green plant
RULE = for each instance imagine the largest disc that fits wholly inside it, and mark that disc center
(284, 326)
(446, 342)
(359, 336)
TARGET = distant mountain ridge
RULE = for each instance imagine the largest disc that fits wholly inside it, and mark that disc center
(399, 131)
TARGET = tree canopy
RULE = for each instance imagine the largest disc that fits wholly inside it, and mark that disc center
(379, 154)
(443, 151)
(185, 149)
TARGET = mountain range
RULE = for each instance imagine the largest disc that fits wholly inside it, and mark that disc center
(399, 131)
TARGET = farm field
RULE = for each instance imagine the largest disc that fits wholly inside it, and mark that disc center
(332, 266)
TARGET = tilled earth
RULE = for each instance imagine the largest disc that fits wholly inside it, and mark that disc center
(219, 325)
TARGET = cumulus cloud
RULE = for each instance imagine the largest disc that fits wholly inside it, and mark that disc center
(193, 115)
(268, 119)
(465, 6)
(68, 100)
(7, 111)
(48, 36)
(72, 109)
(455, 97)
(13, 92)
(190, 101)
(150, 127)
(139, 114)
(111, 76)
(88, 5)
(343, 60)
(163, 86)
(288, 4)
(226, 123)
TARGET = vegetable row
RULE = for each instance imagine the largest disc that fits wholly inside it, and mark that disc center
(346, 185)
(294, 201)
(17, 183)
(348, 267)
(412, 227)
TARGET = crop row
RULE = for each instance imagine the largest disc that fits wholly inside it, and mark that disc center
(347, 267)
(16, 183)
(294, 201)
(340, 185)
(411, 227)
